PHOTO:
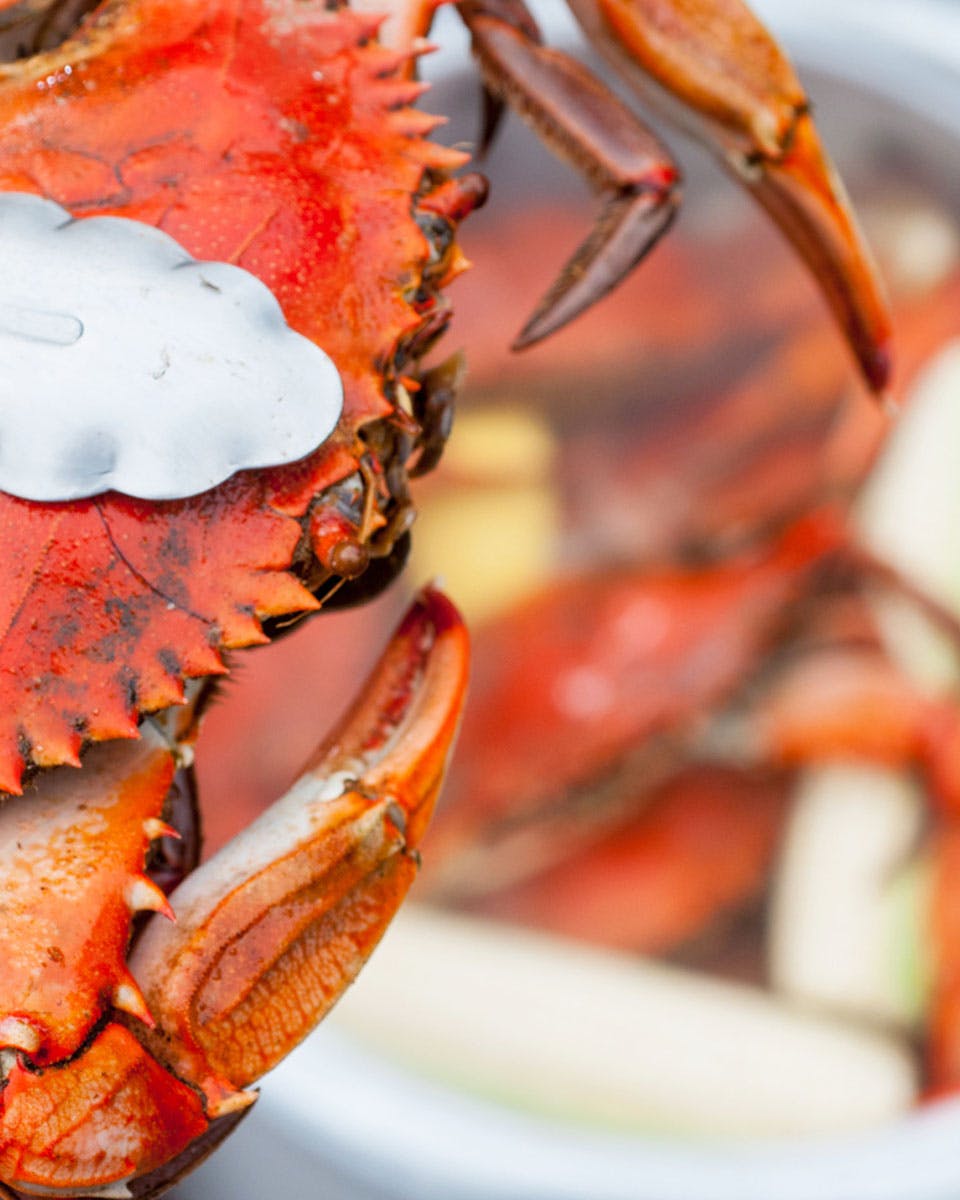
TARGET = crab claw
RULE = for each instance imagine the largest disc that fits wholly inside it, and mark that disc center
(270, 931)
(266, 936)
(724, 78)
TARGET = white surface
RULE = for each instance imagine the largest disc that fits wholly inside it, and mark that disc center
(411, 1138)
(915, 42)
(127, 364)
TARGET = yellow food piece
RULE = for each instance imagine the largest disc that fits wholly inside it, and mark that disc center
(909, 513)
(500, 443)
(491, 534)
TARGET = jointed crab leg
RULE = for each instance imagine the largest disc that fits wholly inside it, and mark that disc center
(267, 935)
(739, 94)
(583, 121)
(718, 72)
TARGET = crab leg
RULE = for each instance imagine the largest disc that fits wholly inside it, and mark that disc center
(584, 122)
(723, 76)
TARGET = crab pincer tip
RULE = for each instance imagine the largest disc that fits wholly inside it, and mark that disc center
(873, 354)
(154, 828)
(876, 363)
(627, 229)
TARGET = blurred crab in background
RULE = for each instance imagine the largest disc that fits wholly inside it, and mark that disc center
(280, 138)
(712, 724)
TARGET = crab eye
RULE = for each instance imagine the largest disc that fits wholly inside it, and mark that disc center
(126, 364)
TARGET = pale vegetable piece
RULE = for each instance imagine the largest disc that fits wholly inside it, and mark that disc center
(490, 546)
(847, 912)
(908, 903)
(596, 1036)
(922, 649)
(909, 513)
(492, 534)
(500, 443)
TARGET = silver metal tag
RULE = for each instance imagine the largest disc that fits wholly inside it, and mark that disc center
(127, 364)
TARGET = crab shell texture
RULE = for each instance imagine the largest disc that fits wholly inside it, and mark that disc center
(280, 137)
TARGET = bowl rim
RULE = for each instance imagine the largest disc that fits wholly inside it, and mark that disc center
(409, 1136)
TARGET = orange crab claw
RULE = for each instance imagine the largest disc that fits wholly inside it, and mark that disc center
(139, 1080)
(270, 931)
(737, 92)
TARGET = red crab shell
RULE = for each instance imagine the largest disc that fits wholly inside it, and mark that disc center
(275, 136)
